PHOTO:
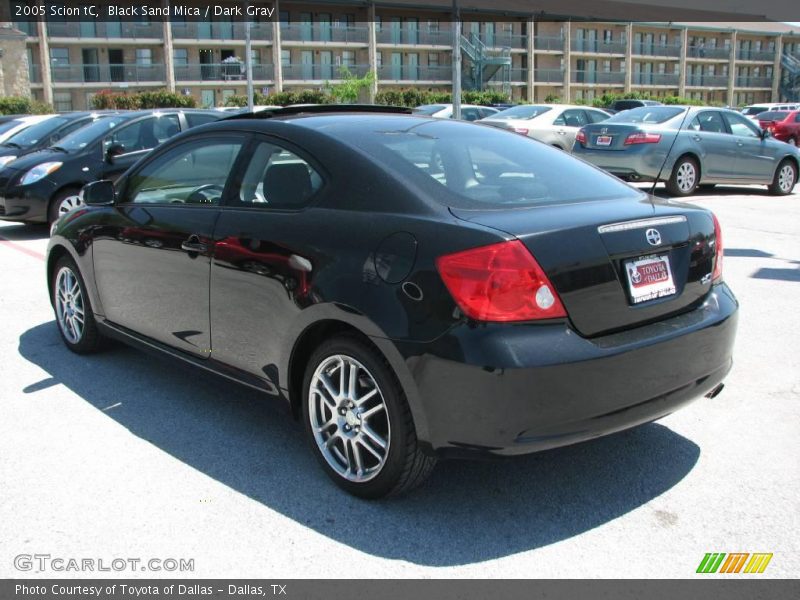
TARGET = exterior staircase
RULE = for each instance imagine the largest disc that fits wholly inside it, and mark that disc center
(484, 66)
(790, 78)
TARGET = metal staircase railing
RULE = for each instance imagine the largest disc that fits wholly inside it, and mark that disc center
(790, 77)
(485, 64)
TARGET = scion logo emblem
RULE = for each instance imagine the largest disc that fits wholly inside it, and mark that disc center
(653, 237)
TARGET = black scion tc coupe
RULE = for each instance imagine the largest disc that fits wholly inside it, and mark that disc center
(410, 287)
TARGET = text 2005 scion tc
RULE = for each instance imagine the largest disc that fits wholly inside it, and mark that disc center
(412, 288)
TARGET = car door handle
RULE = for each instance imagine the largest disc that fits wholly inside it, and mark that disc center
(697, 138)
(193, 245)
(740, 144)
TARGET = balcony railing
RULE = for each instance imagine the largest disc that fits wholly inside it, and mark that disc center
(708, 53)
(549, 75)
(505, 40)
(319, 72)
(553, 44)
(653, 49)
(612, 77)
(518, 75)
(707, 80)
(654, 79)
(758, 55)
(97, 29)
(320, 32)
(210, 30)
(599, 46)
(751, 81)
(27, 27)
(107, 73)
(414, 35)
(222, 72)
(415, 73)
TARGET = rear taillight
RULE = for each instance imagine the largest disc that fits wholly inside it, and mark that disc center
(521, 130)
(718, 250)
(580, 137)
(642, 138)
(500, 282)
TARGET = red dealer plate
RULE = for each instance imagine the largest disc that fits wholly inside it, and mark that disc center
(649, 277)
(603, 140)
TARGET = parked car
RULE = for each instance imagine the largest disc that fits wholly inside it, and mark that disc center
(752, 111)
(43, 185)
(784, 125)
(484, 295)
(553, 124)
(628, 103)
(16, 124)
(688, 147)
(469, 112)
(45, 133)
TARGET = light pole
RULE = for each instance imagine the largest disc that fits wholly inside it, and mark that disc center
(456, 62)
(248, 62)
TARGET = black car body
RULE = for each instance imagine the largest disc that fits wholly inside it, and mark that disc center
(102, 150)
(372, 233)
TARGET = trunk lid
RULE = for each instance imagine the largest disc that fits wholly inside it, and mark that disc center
(612, 136)
(587, 249)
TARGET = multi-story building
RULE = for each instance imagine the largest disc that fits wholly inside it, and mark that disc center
(731, 63)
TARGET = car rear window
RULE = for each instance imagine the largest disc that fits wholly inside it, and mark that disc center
(647, 114)
(521, 112)
(773, 115)
(473, 167)
(429, 109)
(754, 110)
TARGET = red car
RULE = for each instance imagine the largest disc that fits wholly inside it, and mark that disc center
(784, 125)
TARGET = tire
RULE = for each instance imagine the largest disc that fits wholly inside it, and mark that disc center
(684, 178)
(62, 202)
(343, 440)
(80, 338)
(785, 178)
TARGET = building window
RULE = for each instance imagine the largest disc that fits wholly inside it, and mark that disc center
(433, 25)
(433, 59)
(255, 57)
(286, 58)
(348, 58)
(59, 57)
(608, 35)
(144, 56)
(379, 59)
(607, 66)
(62, 101)
(180, 56)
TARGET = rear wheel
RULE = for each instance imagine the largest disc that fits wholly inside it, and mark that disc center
(684, 178)
(73, 310)
(358, 421)
(62, 203)
(785, 179)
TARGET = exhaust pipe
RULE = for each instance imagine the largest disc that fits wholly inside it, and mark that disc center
(715, 392)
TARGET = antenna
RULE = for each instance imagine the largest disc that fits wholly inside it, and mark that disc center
(671, 146)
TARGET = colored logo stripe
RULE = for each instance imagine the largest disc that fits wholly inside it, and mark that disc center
(734, 562)
(713, 562)
(758, 563)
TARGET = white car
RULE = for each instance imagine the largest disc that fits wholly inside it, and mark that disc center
(752, 111)
(469, 112)
(553, 124)
(14, 126)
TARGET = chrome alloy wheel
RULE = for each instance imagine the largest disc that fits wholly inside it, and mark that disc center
(686, 177)
(69, 203)
(786, 178)
(348, 418)
(69, 305)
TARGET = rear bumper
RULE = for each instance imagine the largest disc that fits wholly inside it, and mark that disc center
(639, 162)
(516, 389)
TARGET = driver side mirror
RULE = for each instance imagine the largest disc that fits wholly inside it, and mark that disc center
(113, 151)
(98, 193)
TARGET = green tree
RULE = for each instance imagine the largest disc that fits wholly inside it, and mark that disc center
(350, 87)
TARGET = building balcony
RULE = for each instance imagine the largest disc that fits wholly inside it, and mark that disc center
(97, 29)
(222, 72)
(107, 73)
(221, 31)
(505, 40)
(599, 47)
(718, 81)
(414, 36)
(751, 81)
(655, 79)
(706, 53)
(549, 75)
(548, 44)
(406, 73)
(601, 77)
(324, 33)
(319, 72)
(755, 55)
(663, 50)
(518, 75)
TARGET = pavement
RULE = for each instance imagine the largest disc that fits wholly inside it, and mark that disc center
(123, 455)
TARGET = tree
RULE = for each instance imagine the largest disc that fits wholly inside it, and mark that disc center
(348, 89)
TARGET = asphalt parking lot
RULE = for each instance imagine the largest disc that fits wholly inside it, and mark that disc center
(124, 455)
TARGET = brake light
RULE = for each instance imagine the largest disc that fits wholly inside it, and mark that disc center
(500, 282)
(718, 250)
(521, 130)
(580, 136)
(642, 138)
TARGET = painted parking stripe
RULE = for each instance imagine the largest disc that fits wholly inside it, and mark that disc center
(4, 241)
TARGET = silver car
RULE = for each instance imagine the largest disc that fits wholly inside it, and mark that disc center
(553, 124)
(689, 147)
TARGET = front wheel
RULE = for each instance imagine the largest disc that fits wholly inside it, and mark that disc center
(684, 178)
(73, 310)
(358, 421)
(62, 203)
(785, 179)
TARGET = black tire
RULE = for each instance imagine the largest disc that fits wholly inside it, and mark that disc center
(90, 340)
(55, 203)
(675, 185)
(779, 185)
(405, 466)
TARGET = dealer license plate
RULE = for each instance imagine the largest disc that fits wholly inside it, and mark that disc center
(649, 277)
(604, 140)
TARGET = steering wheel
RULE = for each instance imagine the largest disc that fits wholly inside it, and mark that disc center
(199, 195)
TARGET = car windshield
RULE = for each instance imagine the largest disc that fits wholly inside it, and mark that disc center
(647, 114)
(528, 111)
(754, 110)
(474, 167)
(85, 136)
(773, 115)
(31, 136)
(9, 125)
(429, 109)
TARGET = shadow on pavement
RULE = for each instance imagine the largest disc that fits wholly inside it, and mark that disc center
(467, 512)
(22, 233)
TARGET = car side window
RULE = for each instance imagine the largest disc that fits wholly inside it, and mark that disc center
(194, 172)
(195, 119)
(797, 118)
(67, 129)
(595, 116)
(165, 127)
(571, 118)
(470, 114)
(143, 135)
(277, 178)
(710, 121)
(741, 126)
